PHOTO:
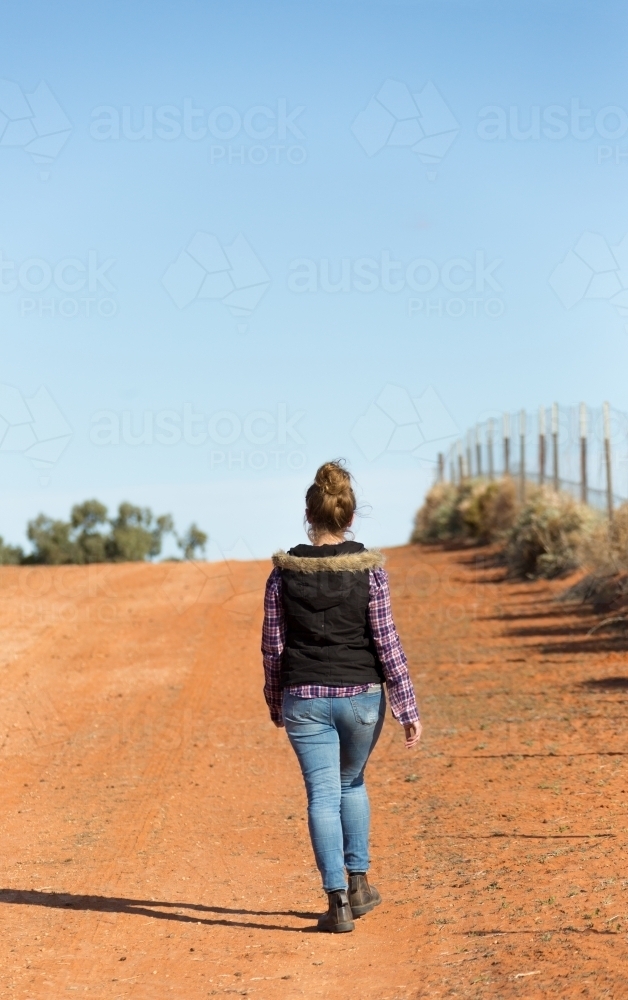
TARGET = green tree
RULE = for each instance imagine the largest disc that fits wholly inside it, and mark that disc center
(136, 534)
(10, 555)
(90, 536)
(192, 540)
(85, 519)
(52, 543)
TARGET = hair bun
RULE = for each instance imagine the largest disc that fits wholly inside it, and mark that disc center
(332, 479)
(330, 500)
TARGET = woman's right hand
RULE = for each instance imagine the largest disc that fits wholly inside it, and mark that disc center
(413, 734)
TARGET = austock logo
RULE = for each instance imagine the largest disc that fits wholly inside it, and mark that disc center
(397, 423)
(593, 270)
(556, 122)
(421, 122)
(205, 270)
(422, 275)
(33, 122)
(258, 441)
(33, 426)
(259, 135)
(81, 282)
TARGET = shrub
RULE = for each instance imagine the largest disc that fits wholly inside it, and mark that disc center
(432, 520)
(476, 510)
(547, 537)
(490, 509)
(604, 550)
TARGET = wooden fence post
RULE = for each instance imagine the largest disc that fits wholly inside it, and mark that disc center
(506, 436)
(522, 453)
(607, 460)
(489, 448)
(542, 446)
(583, 453)
(464, 452)
(441, 467)
(555, 445)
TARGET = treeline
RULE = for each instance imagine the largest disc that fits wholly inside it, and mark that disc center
(91, 536)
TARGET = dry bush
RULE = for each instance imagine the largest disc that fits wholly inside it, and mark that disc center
(604, 550)
(492, 508)
(602, 591)
(432, 521)
(548, 536)
(475, 510)
(464, 524)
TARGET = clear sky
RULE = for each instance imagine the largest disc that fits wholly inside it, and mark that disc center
(239, 239)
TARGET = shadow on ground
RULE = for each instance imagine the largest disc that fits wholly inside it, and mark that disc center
(150, 908)
(605, 684)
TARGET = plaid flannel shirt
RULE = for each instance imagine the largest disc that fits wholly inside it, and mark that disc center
(387, 643)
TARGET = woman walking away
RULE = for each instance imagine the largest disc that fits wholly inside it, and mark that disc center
(329, 643)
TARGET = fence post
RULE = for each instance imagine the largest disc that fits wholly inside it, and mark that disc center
(489, 448)
(441, 467)
(555, 445)
(452, 472)
(522, 452)
(506, 435)
(478, 451)
(469, 453)
(542, 445)
(460, 462)
(607, 460)
(583, 453)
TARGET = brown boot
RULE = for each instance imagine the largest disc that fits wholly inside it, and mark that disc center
(338, 918)
(362, 896)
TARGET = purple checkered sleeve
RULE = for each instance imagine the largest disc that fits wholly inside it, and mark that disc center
(390, 651)
(387, 642)
(273, 641)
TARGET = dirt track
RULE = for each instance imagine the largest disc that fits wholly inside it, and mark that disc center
(153, 835)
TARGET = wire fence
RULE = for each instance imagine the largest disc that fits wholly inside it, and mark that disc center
(581, 450)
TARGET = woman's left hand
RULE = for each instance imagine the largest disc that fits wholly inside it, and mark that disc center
(413, 734)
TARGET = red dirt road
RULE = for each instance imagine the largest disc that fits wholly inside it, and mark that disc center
(153, 835)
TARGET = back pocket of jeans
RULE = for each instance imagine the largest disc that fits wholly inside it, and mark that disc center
(298, 709)
(366, 707)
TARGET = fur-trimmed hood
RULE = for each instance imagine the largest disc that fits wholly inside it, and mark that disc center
(352, 562)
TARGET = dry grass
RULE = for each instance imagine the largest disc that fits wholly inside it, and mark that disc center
(475, 511)
(604, 550)
(432, 520)
(491, 510)
(549, 534)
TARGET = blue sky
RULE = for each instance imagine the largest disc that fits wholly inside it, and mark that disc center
(219, 409)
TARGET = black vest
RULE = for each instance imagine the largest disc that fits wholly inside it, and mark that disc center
(325, 601)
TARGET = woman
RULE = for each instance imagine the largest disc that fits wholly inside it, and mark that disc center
(329, 643)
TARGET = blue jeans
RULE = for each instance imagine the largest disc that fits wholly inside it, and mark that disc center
(333, 739)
